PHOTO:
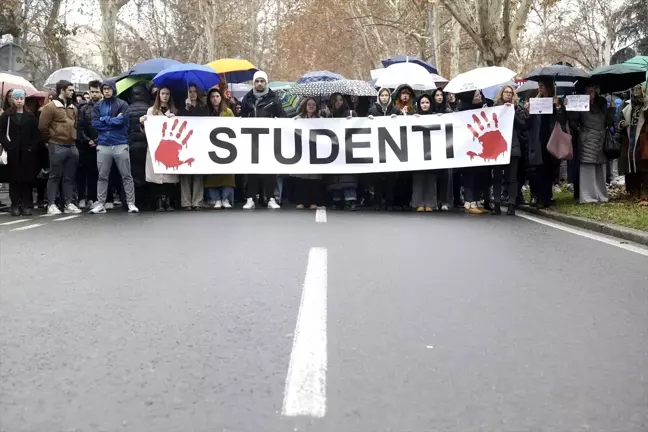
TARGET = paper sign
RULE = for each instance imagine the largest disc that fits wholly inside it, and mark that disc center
(578, 103)
(541, 106)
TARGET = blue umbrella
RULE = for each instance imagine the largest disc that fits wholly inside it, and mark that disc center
(152, 66)
(239, 76)
(492, 92)
(409, 59)
(178, 78)
(319, 76)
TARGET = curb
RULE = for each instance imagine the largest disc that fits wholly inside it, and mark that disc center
(629, 234)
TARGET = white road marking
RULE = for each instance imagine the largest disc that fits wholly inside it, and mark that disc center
(320, 215)
(14, 222)
(305, 392)
(66, 218)
(27, 227)
(587, 234)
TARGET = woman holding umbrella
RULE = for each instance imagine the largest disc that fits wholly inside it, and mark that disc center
(633, 134)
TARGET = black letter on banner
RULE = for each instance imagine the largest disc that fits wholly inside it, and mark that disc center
(213, 137)
(255, 132)
(385, 137)
(277, 148)
(312, 145)
(350, 145)
(449, 130)
(427, 131)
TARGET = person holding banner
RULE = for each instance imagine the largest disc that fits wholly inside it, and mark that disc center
(192, 186)
(343, 186)
(424, 183)
(261, 101)
(219, 188)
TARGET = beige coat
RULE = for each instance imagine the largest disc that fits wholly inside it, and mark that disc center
(151, 177)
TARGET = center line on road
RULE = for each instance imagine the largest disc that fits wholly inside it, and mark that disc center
(14, 222)
(305, 392)
(320, 215)
(587, 234)
(27, 227)
(66, 218)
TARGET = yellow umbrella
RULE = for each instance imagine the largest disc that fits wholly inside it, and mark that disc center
(234, 70)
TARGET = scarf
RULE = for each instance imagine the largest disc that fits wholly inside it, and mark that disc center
(258, 95)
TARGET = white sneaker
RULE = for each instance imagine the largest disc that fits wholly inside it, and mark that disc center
(109, 206)
(71, 209)
(53, 210)
(132, 208)
(82, 203)
(226, 204)
(249, 204)
(444, 207)
(218, 204)
(90, 203)
(272, 204)
(97, 209)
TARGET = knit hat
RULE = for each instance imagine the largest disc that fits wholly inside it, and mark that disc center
(260, 75)
(15, 93)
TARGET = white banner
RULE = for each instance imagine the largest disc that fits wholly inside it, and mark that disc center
(230, 145)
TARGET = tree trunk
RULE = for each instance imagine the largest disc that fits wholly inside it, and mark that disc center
(109, 10)
(54, 38)
(455, 42)
(433, 32)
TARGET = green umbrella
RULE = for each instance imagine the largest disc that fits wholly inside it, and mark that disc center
(129, 81)
(618, 77)
(641, 61)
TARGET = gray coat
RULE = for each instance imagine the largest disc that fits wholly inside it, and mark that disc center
(593, 130)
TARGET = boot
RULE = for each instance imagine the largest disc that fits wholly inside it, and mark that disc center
(167, 204)
(511, 210)
(15, 211)
(160, 204)
(497, 209)
(26, 211)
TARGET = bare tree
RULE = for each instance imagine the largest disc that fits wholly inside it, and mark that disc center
(109, 10)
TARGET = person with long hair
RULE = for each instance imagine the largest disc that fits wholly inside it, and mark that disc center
(6, 101)
(508, 96)
(163, 188)
(192, 186)
(308, 188)
(632, 133)
(19, 138)
(219, 188)
(343, 187)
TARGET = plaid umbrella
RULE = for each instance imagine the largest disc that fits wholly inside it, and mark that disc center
(327, 88)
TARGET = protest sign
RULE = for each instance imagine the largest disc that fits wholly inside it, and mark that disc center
(541, 106)
(577, 103)
(230, 145)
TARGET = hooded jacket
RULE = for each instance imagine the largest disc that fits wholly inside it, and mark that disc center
(268, 105)
(396, 97)
(140, 103)
(110, 118)
(378, 109)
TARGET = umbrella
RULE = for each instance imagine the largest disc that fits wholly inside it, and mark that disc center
(618, 77)
(128, 82)
(290, 103)
(179, 77)
(234, 70)
(479, 79)
(150, 67)
(10, 81)
(492, 92)
(641, 61)
(327, 88)
(319, 76)
(562, 87)
(78, 76)
(414, 75)
(281, 85)
(239, 90)
(556, 73)
(409, 59)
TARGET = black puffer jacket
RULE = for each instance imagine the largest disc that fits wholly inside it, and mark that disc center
(85, 131)
(140, 102)
(268, 106)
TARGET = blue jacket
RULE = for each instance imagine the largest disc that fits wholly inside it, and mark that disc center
(112, 128)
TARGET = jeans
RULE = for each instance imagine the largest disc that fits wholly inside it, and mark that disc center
(220, 194)
(191, 190)
(105, 157)
(63, 164)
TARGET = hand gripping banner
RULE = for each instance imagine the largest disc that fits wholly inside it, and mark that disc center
(230, 145)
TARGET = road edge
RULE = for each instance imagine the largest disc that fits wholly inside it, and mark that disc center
(629, 234)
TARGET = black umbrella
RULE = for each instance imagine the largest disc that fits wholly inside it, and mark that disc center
(562, 88)
(616, 78)
(557, 73)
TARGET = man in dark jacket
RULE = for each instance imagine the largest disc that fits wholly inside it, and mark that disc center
(110, 119)
(140, 102)
(87, 174)
(261, 102)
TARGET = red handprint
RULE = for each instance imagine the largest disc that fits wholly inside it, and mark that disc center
(491, 139)
(168, 151)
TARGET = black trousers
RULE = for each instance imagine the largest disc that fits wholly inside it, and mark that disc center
(262, 185)
(510, 174)
(384, 185)
(20, 194)
(476, 183)
(87, 174)
(309, 191)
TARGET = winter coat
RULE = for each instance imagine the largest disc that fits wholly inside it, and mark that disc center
(221, 180)
(536, 153)
(151, 177)
(85, 131)
(592, 129)
(629, 136)
(139, 106)
(396, 97)
(19, 137)
(268, 106)
(377, 110)
(110, 119)
(520, 135)
(58, 123)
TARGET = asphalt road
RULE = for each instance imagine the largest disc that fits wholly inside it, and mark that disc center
(445, 322)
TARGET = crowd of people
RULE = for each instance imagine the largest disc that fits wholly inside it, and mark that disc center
(89, 151)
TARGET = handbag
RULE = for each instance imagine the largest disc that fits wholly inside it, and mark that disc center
(560, 143)
(611, 147)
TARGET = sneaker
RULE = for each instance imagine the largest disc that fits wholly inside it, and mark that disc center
(90, 203)
(71, 209)
(98, 209)
(226, 204)
(272, 204)
(444, 207)
(132, 208)
(249, 204)
(82, 203)
(428, 209)
(218, 204)
(52, 210)
(109, 206)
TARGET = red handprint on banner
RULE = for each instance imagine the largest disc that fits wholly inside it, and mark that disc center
(168, 151)
(491, 139)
